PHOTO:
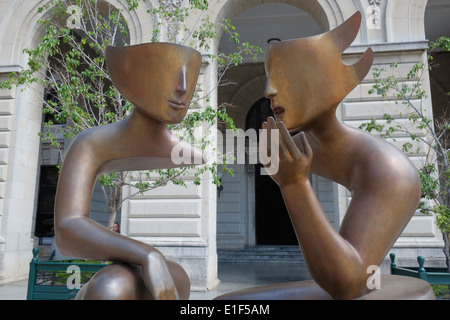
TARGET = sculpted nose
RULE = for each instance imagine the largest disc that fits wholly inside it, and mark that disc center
(270, 91)
(181, 85)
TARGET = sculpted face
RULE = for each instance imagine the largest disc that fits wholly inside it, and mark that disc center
(158, 78)
(306, 77)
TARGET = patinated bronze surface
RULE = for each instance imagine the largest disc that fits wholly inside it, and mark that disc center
(159, 79)
(392, 288)
(306, 80)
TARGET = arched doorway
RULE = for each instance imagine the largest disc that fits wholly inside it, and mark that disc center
(272, 223)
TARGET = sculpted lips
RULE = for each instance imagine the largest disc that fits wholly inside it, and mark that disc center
(278, 111)
(177, 104)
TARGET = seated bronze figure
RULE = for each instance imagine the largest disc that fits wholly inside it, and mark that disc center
(159, 79)
(306, 81)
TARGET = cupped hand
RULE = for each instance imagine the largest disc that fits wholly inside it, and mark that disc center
(294, 154)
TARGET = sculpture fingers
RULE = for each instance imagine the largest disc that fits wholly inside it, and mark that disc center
(288, 141)
(278, 147)
(307, 150)
(264, 144)
(159, 281)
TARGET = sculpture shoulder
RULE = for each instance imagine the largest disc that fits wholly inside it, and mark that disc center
(98, 135)
(93, 145)
(383, 163)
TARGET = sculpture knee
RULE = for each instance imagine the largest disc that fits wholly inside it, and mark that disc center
(181, 279)
(115, 282)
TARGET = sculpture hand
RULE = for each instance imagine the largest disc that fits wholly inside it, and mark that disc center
(294, 156)
(158, 278)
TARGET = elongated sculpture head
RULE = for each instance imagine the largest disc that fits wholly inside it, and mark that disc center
(306, 77)
(158, 78)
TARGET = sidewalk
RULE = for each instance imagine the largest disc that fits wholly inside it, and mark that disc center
(233, 276)
(14, 290)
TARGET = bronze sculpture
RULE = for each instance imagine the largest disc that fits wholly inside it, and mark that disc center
(159, 79)
(306, 81)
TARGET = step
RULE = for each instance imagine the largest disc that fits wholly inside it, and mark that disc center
(266, 254)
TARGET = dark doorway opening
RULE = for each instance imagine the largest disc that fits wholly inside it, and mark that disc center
(273, 225)
(46, 198)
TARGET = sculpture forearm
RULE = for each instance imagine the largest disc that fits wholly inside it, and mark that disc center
(332, 260)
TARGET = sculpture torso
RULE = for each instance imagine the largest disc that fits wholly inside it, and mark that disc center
(383, 184)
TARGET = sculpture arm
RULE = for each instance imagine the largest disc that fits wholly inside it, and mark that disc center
(79, 236)
(332, 260)
(386, 191)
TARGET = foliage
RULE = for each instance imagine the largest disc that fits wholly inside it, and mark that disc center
(441, 291)
(422, 130)
(69, 63)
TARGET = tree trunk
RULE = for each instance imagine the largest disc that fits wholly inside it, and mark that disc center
(446, 236)
(114, 199)
(111, 218)
(114, 204)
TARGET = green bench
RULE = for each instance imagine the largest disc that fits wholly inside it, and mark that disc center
(58, 280)
(432, 275)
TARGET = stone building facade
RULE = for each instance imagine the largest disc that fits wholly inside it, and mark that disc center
(193, 224)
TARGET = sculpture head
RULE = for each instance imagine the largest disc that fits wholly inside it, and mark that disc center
(306, 77)
(159, 79)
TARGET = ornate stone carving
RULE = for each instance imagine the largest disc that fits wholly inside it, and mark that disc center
(171, 21)
(373, 14)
